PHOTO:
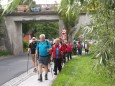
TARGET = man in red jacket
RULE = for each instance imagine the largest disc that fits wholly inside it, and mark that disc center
(64, 51)
(57, 56)
(69, 51)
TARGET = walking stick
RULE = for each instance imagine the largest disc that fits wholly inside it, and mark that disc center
(37, 64)
(51, 69)
(27, 63)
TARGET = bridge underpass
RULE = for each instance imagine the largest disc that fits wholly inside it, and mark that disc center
(14, 27)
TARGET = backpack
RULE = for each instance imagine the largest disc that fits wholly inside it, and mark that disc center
(39, 42)
(46, 42)
(78, 46)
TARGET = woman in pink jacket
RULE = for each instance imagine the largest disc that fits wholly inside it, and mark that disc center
(69, 50)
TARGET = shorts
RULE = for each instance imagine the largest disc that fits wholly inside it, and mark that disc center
(86, 50)
(44, 60)
(33, 52)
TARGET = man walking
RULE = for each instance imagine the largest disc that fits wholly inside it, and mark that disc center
(79, 46)
(86, 46)
(64, 51)
(69, 51)
(43, 48)
(32, 49)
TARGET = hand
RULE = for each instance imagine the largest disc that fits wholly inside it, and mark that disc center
(49, 50)
(28, 53)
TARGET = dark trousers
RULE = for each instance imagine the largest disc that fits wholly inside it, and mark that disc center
(86, 51)
(64, 57)
(80, 51)
(57, 65)
(69, 55)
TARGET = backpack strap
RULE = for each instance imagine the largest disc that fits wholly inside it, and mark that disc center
(47, 42)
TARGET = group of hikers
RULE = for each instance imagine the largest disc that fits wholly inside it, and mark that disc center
(44, 51)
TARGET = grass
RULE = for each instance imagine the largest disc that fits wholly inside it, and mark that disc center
(81, 72)
(5, 53)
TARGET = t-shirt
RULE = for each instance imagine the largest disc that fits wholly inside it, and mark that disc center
(43, 47)
(57, 53)
(32, 47)
(86, 46)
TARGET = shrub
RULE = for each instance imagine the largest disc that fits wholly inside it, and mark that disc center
(25, 45)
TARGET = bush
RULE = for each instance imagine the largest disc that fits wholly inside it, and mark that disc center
(5, 53)
(25, 45)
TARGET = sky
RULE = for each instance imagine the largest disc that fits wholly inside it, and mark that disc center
(3, 2)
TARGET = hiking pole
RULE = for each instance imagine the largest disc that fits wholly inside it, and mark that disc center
(37, 64)
(51, 69)
(27, 63)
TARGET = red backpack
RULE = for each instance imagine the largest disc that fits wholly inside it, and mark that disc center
(79, 46)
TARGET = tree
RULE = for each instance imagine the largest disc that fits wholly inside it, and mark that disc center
(12, 4)
(103, 29)
(50, 29)
(69, 13)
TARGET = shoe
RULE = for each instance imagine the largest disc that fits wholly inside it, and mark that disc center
(40, 78)
(46, 77)
(48, 70)
(55, 73)
(35, 70)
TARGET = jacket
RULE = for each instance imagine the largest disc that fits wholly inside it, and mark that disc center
(54, 50)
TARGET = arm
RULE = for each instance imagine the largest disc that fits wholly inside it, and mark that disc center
(50, 47)
(37, 48)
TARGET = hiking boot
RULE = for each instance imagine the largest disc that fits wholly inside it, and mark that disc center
(48, 70)
(40, 78)
(53, 70)
(35, 70)
(46, 77)
(55, 73)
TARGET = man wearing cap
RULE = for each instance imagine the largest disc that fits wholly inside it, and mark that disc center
(31, 49)
(43, 48)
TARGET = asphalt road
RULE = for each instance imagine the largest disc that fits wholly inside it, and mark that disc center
(13, 66)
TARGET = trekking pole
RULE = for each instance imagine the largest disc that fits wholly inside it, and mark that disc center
(27, 63)
(51, 69)
(37, 65)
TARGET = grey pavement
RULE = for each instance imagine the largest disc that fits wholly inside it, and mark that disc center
(20, 76)
(30, 79)
(13, 66)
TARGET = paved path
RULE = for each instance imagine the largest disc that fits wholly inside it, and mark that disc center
(30, 79)
(13, 66)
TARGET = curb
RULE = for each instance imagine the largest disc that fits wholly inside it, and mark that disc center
(16, 81)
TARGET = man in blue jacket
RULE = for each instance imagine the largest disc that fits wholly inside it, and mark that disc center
(43, 48)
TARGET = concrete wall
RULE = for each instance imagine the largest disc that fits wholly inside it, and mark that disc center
(83, 21)
(14, 29)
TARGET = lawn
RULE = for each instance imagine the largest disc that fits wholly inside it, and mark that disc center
(80, 71)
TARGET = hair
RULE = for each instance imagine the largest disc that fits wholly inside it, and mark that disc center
(57, 40)
(42, 35)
